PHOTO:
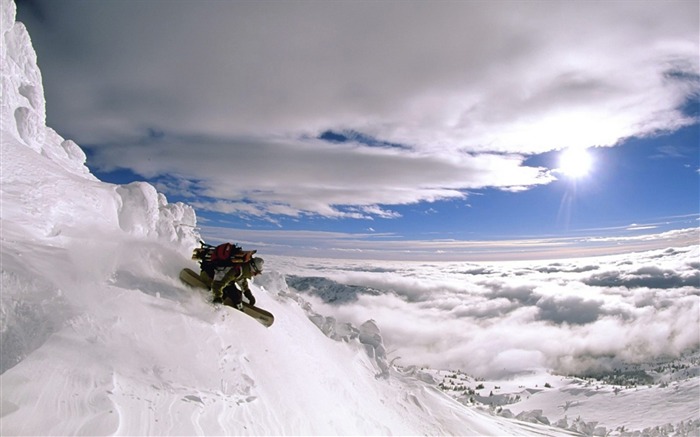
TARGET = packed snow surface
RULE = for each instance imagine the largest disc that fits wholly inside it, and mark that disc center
(98, 336)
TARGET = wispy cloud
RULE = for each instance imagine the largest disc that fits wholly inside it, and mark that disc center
(391, 246)
(670, 151)
(636, 227)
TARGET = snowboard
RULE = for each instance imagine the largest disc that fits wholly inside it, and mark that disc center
(191, 278)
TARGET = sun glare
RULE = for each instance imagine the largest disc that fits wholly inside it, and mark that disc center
(575, 162)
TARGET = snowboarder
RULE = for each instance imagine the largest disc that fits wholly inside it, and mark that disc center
(230, 282)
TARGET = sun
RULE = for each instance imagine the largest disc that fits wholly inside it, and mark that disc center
(575, 162)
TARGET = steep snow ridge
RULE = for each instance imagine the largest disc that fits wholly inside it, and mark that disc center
(23, 105)
(23, 111)
(55, 212)
(98, 335)
(85, 201)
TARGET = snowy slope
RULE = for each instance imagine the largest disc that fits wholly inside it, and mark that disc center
(99, 337)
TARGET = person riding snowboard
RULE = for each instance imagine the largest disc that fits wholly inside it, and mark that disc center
(230, 282)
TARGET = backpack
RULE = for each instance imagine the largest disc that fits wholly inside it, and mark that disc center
(222, 255)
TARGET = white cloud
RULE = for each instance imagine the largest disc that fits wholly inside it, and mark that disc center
(463, 74)
(251, 80)
(497, 319)
(291, 177)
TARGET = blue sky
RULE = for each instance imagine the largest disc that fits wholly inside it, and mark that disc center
(393, 129)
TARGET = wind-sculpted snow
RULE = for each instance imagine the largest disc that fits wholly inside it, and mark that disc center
(145, 212)
(23, 109)
(39, 166)
(56, 214)
(371, 337)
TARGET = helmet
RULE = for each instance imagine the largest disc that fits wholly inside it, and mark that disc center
(257, 264)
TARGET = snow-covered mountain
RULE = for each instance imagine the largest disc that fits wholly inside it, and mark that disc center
(98, 336)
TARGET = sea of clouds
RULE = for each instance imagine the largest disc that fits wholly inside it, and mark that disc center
(578, 316)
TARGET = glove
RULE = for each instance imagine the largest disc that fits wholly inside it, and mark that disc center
(249, 295)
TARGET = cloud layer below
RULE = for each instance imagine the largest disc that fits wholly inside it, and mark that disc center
(497, 319)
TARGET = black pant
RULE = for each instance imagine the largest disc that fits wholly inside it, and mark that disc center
(233, 293)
